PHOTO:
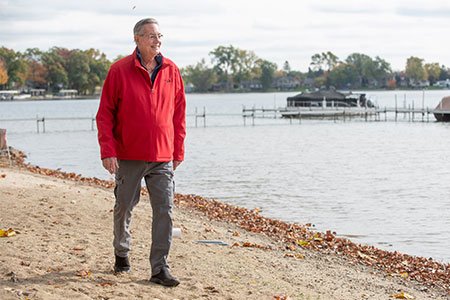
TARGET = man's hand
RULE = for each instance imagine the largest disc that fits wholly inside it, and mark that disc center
(110, 164)
(176, 163)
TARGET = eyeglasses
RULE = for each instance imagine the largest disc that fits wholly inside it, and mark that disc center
(152, 36)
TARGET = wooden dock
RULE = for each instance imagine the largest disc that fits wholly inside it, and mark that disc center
(410, 114)
(251, 115)
(40, 121)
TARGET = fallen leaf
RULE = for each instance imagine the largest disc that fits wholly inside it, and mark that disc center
(299, 256)
(291, 247)
(302, 243)
(365, 256)
(295, 255)
(84, 273)
(78, 248)
(281, 297)
(404, 275)
(402, 295)
(7, 233)
(106, 283)
(317, 237)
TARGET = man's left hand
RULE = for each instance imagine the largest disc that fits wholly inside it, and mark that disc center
(176, 163)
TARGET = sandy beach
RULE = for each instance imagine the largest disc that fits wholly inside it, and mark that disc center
(62, 249)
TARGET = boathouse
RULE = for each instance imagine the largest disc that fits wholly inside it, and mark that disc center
(328, 98)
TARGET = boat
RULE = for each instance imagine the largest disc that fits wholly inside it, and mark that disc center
(442, 110)
(329, 98)
(327, 102)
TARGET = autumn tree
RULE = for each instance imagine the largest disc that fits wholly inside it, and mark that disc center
(433, 71)
(37, 72)
(246, 66)
(414, 69)
(3, 73)
(16, 66)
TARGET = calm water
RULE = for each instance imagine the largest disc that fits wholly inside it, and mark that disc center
(381, 183)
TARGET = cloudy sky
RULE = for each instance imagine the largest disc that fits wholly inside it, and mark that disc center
(281, 30)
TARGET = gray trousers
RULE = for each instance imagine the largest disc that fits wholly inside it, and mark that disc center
(159, 181)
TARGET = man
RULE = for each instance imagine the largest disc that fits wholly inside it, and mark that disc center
(141, 130)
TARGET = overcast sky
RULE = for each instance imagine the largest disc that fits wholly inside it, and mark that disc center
(281, 30)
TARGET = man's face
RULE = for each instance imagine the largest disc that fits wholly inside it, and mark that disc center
(149, 39)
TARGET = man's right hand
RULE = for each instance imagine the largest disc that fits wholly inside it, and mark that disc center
(110, 164)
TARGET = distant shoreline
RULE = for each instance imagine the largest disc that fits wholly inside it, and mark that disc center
(56, 98)
(97, 96)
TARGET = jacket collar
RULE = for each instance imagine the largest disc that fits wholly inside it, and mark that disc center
(138, 59)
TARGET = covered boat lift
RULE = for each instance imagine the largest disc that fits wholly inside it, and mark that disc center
(328, 98)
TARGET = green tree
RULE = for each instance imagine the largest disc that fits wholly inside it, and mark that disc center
(233, 65)
(98, 66)
(383, 71)
(245, 66)
(444, 73)
(200, 76)
(433, 71)
(367, 70)
(415, 69)
(267, 73)
(325, 61)
(16, 66)
(78, 71)
(224, 60)
(343, 76)
(54, 61)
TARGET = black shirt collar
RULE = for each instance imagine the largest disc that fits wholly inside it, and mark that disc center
(158, 58)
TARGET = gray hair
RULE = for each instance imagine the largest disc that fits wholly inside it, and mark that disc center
(141, 23)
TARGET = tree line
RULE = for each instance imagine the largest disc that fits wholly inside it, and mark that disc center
(53, 70)
(230, 69)
(234, 69)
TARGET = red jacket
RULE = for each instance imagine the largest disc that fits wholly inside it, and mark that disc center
(138, 120)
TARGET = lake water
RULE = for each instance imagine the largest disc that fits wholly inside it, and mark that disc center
(381, 183)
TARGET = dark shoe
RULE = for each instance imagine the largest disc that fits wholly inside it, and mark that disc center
(122, 265)
(164, 278)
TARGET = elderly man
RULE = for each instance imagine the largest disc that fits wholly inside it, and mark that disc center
(141, 131)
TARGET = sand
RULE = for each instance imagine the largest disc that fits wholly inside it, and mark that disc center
(63, 250)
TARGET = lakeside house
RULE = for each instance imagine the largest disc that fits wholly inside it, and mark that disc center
(286, 83)
(8, 94)
(37, 92)
(67, 93)
(443, 83)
